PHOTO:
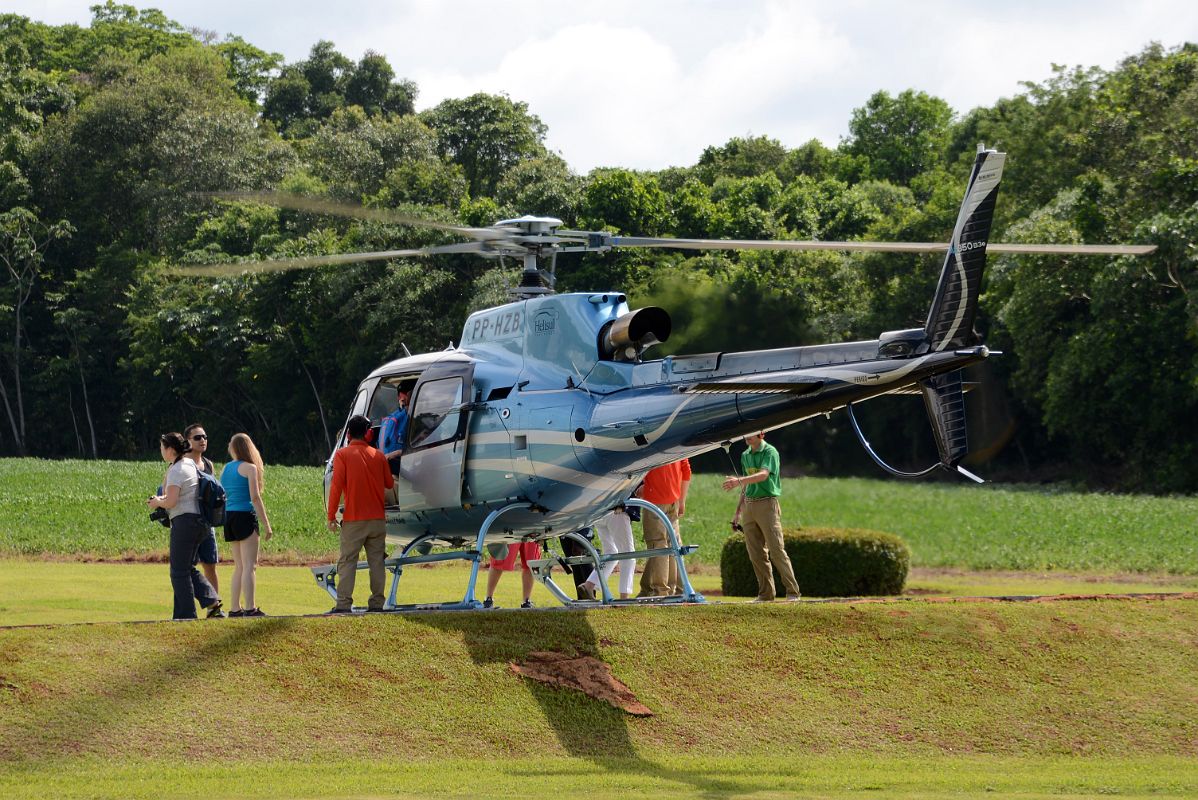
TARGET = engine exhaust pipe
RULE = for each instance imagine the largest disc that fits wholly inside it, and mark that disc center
(627, 336)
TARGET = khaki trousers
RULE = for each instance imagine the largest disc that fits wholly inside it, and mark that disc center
(762, 521)
(355, 535)
(661, 572)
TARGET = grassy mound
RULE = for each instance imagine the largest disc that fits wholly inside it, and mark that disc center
(1111, 678)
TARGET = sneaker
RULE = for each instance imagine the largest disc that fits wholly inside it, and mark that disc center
(241, 612)
(526, 604)
(215, 612)
(586, 591)
(337, 610)
(793, 598)
(488, 603)
(763, 600)
(253, 612)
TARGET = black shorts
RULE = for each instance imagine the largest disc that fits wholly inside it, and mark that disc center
(240, 525)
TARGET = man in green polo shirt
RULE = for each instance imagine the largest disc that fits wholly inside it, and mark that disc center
(761, 516)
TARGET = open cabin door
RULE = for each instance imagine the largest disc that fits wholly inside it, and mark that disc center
(434, 456)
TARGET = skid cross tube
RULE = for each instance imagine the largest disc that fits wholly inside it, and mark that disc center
(326, 577)
(592, 558)
(545, 565)
(396, 565)
(675, 550)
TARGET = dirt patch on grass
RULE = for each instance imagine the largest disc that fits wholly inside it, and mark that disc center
(585, 674)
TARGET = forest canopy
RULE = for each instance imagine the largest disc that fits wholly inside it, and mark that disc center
(111, 134)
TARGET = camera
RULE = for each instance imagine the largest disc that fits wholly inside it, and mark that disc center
(161, 516)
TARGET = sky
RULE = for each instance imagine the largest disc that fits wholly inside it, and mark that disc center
(648, 84)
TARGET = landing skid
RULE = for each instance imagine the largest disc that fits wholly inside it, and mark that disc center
(543, 567)
(326, 576)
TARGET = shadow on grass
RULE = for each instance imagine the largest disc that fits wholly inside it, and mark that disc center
(585, 727)
(121, 690)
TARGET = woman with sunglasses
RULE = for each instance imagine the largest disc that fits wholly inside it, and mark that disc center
(207, 556)
(179, 498)
(242, 479)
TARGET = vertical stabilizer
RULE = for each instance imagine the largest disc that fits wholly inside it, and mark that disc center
(950, 321)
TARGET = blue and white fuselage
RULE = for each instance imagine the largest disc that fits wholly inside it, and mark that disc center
(551, 423)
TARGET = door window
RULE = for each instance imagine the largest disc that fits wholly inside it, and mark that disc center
(437, 413)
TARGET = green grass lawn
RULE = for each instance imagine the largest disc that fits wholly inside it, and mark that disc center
(915, 699)
(908, 699)
(99, 511)
(651, 778)
(35, 592)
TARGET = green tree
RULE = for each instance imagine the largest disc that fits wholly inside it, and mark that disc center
(741, 158)
(623, 201)
(900, 136)
(24, 238)
(542, 186)
(486, 135)
(308, 92)
(369, 83)
(249, 68)
(142, 146)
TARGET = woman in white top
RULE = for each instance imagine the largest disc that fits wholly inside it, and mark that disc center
(179, 498)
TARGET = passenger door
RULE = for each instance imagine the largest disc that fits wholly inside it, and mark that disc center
(435, 453)
(357, 407)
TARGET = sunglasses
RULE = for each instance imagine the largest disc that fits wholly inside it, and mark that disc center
(200, 437)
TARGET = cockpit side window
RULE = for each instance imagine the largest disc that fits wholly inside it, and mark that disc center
(437, 413)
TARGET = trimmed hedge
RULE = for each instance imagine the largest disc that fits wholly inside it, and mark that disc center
(828, 562)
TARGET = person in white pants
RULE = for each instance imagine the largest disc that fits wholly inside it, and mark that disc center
(615, 532)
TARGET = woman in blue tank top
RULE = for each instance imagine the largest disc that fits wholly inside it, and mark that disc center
(245, 511)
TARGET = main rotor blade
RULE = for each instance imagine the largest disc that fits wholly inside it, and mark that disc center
(1075, 249)
(875, 247)
(304, 262)
(319, 205)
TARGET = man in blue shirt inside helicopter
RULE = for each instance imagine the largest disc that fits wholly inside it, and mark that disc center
(393, 431)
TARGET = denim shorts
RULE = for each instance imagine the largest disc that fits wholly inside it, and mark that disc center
(207, 553)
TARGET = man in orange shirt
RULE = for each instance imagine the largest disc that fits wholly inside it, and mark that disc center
(664, 487)
(360, 473)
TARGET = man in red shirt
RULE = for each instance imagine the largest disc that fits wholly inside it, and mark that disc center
(360, 473)
(664, 487)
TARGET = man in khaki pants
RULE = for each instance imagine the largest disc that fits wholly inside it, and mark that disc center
(761, 516)
(665, 487)
(360, 473)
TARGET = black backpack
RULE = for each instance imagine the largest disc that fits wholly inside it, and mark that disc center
(210, 497)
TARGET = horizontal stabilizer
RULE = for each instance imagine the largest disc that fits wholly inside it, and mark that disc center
(916, 389)
(945, 403)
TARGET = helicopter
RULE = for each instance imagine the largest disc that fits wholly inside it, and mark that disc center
(547, 414)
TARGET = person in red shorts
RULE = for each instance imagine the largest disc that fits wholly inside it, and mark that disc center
(527, 551)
